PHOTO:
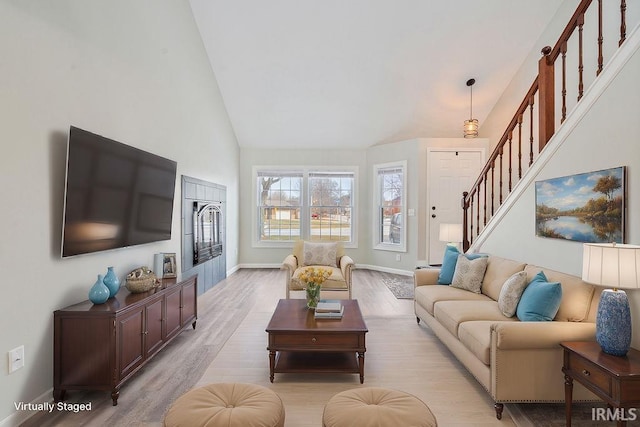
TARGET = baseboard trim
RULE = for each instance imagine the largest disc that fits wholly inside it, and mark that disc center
(385, 269)
(358, 266)
(19, 417)
(233, 269)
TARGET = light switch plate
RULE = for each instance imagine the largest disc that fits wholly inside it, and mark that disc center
(16, 358)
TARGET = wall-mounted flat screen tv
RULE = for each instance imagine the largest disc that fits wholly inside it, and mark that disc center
(115, 195)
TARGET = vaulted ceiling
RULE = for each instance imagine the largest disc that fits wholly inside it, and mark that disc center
(356, 73)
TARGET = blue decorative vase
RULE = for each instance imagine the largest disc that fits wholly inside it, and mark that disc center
(112, 282)
(613, 322)
(99, 293)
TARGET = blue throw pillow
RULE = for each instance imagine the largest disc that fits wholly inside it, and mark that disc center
(449, 264)
(540, 300)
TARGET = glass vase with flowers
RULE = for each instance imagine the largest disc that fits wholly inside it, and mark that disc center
(313, 277)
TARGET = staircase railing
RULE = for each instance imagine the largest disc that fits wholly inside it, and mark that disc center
(535, 119)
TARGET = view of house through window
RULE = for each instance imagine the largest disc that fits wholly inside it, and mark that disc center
(305, 205)
(279, 205)
(330, 202)
(390, 186)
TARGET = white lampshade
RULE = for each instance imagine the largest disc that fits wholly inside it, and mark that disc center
(611, 264)
(451, 233)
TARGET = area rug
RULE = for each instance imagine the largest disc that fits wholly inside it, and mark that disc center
(584, 414)
(400, 287)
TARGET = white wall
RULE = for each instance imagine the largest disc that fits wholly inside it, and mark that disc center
(413, 151)
(602, 139)
(132, 71)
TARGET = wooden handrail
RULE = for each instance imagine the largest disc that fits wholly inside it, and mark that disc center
(544, 88)
(569, 29)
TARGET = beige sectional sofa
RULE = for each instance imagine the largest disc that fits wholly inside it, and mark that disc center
(514, 361)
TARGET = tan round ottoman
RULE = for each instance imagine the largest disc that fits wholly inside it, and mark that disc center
(376, 407)
(227, 405)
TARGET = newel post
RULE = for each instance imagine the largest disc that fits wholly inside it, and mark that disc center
(546, 85)
(465, 226)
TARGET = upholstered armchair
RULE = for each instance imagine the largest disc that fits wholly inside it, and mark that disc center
(327, 255)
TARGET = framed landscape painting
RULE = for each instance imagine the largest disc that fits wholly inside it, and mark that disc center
(587, 207)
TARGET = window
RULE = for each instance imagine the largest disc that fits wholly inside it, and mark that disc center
(330, 203)
(302, 204)
(279, 205)
(390, 206)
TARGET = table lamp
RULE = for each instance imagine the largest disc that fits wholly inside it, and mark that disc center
(618, 266)
(451, 233)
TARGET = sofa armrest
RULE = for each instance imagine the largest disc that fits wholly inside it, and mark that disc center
(538, 335)
(346, 265)
(290, 264)
(425, 276)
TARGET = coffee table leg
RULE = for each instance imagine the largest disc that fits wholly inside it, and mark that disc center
(361, 365)
(272, 363)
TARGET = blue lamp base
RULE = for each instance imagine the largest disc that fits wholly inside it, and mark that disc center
(613, 322)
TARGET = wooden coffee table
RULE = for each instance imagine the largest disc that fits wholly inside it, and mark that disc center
(298, 343)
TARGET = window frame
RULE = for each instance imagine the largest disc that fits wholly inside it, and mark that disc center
(377, 216)
(305, 207)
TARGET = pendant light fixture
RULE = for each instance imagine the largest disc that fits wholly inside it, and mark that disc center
(471, 125)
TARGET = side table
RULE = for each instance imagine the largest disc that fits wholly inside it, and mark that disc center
(614, 379)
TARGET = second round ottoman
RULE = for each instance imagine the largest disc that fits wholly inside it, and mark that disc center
(376, 407)
(227, 405)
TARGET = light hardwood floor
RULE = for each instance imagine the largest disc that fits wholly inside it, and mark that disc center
(229, 345)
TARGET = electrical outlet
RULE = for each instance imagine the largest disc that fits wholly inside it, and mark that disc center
(398, 257)
(16, 359)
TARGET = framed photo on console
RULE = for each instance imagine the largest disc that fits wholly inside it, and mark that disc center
(169, 265)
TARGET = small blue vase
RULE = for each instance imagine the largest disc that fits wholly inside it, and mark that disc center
(112, 282)
(99, 293)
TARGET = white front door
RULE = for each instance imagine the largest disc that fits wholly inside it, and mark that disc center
(450, 172)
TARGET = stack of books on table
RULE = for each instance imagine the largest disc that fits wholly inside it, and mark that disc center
(329, 309)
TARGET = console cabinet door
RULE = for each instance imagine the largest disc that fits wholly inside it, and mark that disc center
(172, 311)
(130, 340)
(76, 340)
(153, 334)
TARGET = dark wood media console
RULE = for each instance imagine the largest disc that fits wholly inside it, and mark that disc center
(99, 347)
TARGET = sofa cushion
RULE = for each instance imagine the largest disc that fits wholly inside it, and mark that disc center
(450, 314)
(540, 300)
(498, 271)
(427, 296)
(577, 295)
(335, 281)
(469, 273)
(511, 292)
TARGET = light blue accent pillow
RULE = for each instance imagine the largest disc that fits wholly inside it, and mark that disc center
(449, 264)
(540, 300)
